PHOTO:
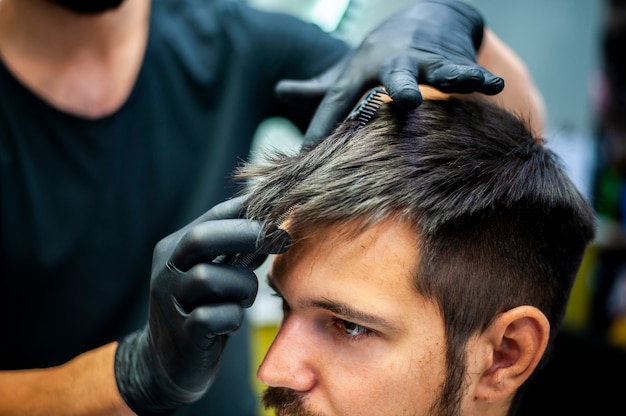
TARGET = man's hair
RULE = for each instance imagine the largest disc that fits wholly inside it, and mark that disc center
(498, 222)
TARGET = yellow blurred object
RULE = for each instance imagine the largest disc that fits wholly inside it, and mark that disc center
(617, 332)
(577, 316)
(262, 337)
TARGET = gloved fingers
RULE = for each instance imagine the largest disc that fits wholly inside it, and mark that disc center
(207, 322)
(448, 78)
(293, 91)
(462, 79)
(400, 80)
(356, 77)
(207, 284)
(335, 106)
(274, 241)
(204, 241)
(229, 209)
(493, 84)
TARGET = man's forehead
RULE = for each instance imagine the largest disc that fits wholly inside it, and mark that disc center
(348, 251)
(343, 231)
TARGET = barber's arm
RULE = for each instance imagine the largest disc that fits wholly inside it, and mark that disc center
(83, 386)
(197, 298)
(520, 94)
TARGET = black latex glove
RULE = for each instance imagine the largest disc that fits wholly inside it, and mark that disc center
(196, 300)
(433, 42)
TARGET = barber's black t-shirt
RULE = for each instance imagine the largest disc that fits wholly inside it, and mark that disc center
(83, 202)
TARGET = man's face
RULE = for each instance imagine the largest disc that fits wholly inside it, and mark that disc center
(89, 6)
(356, 337)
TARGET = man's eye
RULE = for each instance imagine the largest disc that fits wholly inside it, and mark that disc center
(350, 329)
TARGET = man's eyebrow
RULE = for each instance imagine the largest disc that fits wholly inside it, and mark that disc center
(344, 310)
(351, 314)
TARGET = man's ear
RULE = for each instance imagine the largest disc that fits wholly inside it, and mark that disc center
(512, 346)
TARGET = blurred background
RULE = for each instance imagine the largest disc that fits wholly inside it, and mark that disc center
(561, 41)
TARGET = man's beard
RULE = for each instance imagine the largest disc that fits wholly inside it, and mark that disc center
(88, 6)
(285, 402)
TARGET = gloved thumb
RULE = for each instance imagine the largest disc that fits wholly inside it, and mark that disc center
(312, 90)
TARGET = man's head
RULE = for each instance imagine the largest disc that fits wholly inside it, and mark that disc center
(433, 254)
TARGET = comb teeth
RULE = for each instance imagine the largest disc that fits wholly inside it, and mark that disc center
(243, 259)
(367, 107)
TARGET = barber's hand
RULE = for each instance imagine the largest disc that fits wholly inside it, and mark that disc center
(434, 42)
(196, 300)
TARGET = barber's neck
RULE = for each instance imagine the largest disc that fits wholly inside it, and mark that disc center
(83, 64)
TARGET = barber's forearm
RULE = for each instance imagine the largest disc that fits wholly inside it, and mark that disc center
(520, 94)
(83, 386)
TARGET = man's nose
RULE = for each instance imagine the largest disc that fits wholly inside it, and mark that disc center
(289, 361)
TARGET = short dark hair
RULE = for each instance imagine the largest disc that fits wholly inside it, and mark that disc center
(498, 222)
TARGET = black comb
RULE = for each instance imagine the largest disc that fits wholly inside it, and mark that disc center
(367, 107)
